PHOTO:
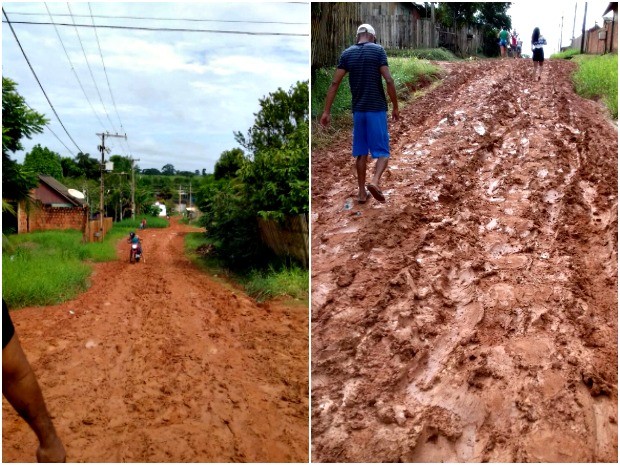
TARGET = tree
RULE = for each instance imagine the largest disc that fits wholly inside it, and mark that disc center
(168, 170)
(41, 160)
(70, 168)
(151, 171)
(204, 171)
(18, 121)
(279, 115)
(121, 164)
(277, 181)
(229, 163)
(488, 16)
(89, 166)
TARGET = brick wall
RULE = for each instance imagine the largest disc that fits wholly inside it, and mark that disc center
(42, 218)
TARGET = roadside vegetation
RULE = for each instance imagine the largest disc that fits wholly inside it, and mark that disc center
(596, 77)
(50, 267)
(279, 279)
(409, 73)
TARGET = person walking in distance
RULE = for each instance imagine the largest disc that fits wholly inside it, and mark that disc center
(21, 389)
(366, 62)
(503, 41)
(538, 54)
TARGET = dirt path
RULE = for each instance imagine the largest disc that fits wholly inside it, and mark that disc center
(473, 317)
(160, 363)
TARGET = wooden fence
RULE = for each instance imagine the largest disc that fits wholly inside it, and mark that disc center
(92, 231)
(287, 239)
(334, 25)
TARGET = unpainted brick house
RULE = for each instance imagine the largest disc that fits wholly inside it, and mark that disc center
(52, 207)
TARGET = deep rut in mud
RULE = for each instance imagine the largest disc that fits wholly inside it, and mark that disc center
(473, 317)
(158, 362)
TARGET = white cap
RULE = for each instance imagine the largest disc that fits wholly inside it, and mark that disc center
(366, 28)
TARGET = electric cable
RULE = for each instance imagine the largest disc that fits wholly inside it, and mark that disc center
(92, 75)
(162, 29)
(171, 19)
(37, 79)
(74, 71)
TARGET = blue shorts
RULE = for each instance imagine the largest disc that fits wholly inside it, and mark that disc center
(503, 43)
(370, 134)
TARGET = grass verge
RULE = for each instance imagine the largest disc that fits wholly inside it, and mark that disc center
(276, 281)
(50, 267)
(597, 78)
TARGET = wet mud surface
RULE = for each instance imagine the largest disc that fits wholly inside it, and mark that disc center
(157, 362)
(473, 316)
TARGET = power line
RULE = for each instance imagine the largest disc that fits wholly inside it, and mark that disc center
(106, 72)
(92, 75)
(54, 134)
(37, 78)
(74, 72)
(172, 19)
(163, 29)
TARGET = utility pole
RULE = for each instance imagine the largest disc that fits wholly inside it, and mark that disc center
(133, 190)
(574, 20)
(561, 27)
(583, 29)
(103, 148)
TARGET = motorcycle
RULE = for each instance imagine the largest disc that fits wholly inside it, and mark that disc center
(134, 253)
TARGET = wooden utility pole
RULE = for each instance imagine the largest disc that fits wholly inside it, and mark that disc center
(133, 190)
(102, 148)
(561, 27)
(583, 29)
(574, 20)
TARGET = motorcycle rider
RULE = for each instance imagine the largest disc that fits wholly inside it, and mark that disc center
(134, 239)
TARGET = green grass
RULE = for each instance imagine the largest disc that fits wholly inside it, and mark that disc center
(277, 281)
(436, 54)
(49, 267)
(566, 54)
(45, 268)
(597, 78)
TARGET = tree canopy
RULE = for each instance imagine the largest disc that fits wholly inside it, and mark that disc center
(279, 115)
(41, 160)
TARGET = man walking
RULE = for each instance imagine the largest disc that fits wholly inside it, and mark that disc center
(366, 63)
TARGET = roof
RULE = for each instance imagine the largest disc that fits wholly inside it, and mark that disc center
(613, 6)
(61, 190)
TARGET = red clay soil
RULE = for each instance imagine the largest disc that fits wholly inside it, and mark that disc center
(474, 315)
(158, 362)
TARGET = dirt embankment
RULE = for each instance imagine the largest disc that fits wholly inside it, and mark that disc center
(473, 317)
(157, 362)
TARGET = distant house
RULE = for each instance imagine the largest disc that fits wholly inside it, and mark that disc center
(600, 40)
(162, 208)
(51, 207)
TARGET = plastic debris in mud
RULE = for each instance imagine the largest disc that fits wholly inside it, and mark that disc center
(348, 204)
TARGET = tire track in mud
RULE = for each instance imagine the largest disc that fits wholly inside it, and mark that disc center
(474, 316)
(161, 363)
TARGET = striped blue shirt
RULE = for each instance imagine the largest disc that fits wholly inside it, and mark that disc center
(362, 62)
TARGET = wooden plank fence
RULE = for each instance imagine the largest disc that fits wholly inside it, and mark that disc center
(92, 231)
(287, 239)
(333, 28)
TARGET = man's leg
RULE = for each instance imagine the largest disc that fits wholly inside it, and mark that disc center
(360, 152)
(360, 166)
(380, 167)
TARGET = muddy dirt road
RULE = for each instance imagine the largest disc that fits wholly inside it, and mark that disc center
(473, 317)
(161, 363)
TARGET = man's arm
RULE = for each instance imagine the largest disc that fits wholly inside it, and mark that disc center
(21, 389)
(331, 95)
(391, 89)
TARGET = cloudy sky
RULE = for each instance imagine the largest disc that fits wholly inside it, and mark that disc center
(547, 15)
(177, 95)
